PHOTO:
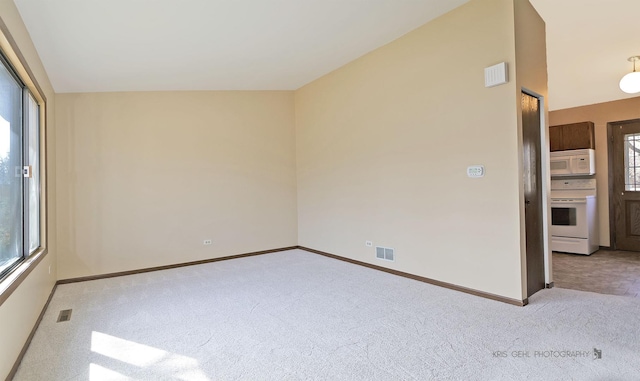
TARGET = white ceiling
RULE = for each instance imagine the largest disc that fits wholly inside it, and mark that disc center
(139, 45)
(588, 44)
(133, 45)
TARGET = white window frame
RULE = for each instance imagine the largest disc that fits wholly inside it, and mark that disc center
(12, 279)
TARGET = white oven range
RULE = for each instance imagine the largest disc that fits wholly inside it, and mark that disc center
(574, 216)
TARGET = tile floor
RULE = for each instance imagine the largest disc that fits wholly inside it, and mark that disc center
(605, 272)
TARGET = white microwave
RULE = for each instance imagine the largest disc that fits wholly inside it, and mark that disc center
(579, 162)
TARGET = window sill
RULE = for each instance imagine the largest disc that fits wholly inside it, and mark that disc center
(11, 282)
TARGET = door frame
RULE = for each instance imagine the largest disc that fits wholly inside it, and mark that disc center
(545, 186)
(613, 245)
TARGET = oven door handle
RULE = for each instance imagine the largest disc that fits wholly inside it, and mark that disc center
(567, 201)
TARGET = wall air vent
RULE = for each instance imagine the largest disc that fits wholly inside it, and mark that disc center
(385, 253)
(496, 75)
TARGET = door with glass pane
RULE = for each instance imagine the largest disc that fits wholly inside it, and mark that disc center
(624, 155)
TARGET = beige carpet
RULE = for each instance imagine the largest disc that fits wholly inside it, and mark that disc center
(300, 316)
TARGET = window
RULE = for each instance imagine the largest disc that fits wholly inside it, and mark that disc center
(632, 162)
(20, 197)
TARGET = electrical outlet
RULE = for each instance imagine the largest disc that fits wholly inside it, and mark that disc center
(368, 243)
(207, 242)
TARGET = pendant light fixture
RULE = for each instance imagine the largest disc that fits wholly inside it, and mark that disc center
(630, 83)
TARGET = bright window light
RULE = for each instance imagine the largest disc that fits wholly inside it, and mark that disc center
(99, 373)
(142, 356)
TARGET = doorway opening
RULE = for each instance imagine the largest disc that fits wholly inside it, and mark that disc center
(614, 270)
(535, 216)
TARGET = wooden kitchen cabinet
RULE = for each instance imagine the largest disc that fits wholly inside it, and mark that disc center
(572, 136)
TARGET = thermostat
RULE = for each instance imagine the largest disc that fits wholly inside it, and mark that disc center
(475, 171)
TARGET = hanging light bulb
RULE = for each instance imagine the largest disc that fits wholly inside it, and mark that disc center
(630, 83)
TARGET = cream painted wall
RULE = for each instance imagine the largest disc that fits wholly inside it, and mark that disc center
(144, 178)
(20, 311)
(600, 114)
(383, 144)
(382, 147)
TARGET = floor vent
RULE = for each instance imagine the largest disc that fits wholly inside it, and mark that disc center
(65, 315)
(385, 253)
